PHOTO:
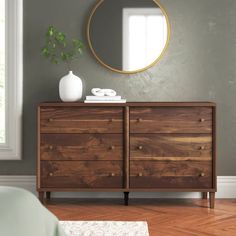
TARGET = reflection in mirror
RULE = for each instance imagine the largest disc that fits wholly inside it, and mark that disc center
(128, 35)
(142, 29)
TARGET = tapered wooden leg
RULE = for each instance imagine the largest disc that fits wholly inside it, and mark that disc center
(204, 195)
(41, 197)
(212, 200)
(48, 195)
(126, 198)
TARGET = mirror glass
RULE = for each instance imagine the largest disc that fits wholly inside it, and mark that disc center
(128, 36)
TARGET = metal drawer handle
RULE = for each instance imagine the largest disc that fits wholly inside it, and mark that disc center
(50, 174)
(139, 120)
(202, 148)
(50, 120)
(111, 120)
(140, 147)
(202, 174)
(50, 147)
(202, 120)
(112, 147)
(112, 174)
(140, 174)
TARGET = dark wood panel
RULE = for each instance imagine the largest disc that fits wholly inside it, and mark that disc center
(171, 120)
(148, 146)
(81, 120)
(171, 146)
(170, 174)
(81, 147)
(130, 104)
(82, 174)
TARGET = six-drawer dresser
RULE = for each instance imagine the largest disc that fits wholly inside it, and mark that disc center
(127, 147)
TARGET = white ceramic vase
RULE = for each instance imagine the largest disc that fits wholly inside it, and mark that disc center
(70, 88)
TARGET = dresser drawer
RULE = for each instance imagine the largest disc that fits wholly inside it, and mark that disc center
(81, 147)
(171, 147)
(81, 174)
(81, 120)
(171, 120)
(167, 175)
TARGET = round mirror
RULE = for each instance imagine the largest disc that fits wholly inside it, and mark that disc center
(128, 36)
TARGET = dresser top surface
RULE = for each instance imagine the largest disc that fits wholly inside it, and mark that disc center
(128, 104)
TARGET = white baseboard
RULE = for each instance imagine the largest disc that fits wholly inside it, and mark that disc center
(226, 188)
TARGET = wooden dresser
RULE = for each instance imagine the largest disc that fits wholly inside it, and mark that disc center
(127, 147)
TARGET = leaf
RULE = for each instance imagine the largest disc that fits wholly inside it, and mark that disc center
(60, 37)
(57, 48)
(51, 31)
(45, 52)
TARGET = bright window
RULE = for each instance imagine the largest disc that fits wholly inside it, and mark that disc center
(144, 36)
(11, 66)
(2, 73)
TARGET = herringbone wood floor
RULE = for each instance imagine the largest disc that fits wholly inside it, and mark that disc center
(164, 217)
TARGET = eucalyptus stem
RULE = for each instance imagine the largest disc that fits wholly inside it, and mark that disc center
(58, 49)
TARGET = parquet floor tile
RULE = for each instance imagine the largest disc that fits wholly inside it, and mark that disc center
(165, 217)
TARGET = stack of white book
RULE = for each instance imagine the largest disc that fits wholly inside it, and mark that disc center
(104, 99)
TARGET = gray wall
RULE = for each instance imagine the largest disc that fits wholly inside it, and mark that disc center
(200, 64)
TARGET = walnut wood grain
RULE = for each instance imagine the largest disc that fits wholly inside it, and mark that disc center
(129, 104)
(81, 147)
(171, 147)
(82, 174)
(171, 120)
(81, 120)
(126, 148)
(170, 174)
(150, 146)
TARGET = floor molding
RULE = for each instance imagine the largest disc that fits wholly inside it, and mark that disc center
(226, 189)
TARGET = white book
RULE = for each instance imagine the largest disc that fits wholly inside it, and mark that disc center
(103, 98)
(119, 101)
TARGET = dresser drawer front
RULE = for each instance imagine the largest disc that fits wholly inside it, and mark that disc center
(81, 120)
(171, 147)
(171, 175)
(81, 174)
(171, 120)
(81, 147)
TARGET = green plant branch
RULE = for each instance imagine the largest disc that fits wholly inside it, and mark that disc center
(58, 49)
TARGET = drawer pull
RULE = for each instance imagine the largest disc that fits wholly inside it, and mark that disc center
(140, 174)
(112, 147)
(50, 174)
(112, 174)
(202, 148)
(202, 120)
(140, 147)
(50, 147)
(202, 174)
(50, 119)
(111, 120)
(139, 120)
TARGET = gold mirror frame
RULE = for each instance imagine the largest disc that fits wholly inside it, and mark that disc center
(97, 5)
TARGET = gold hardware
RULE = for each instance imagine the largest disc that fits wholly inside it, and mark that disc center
(112, 147)
(140, 174)
(50, 174)
(202, 148)
(50, 147)
(202, 120)
(202, 174)
(140, 147)
(112, 174)
(50, 120)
